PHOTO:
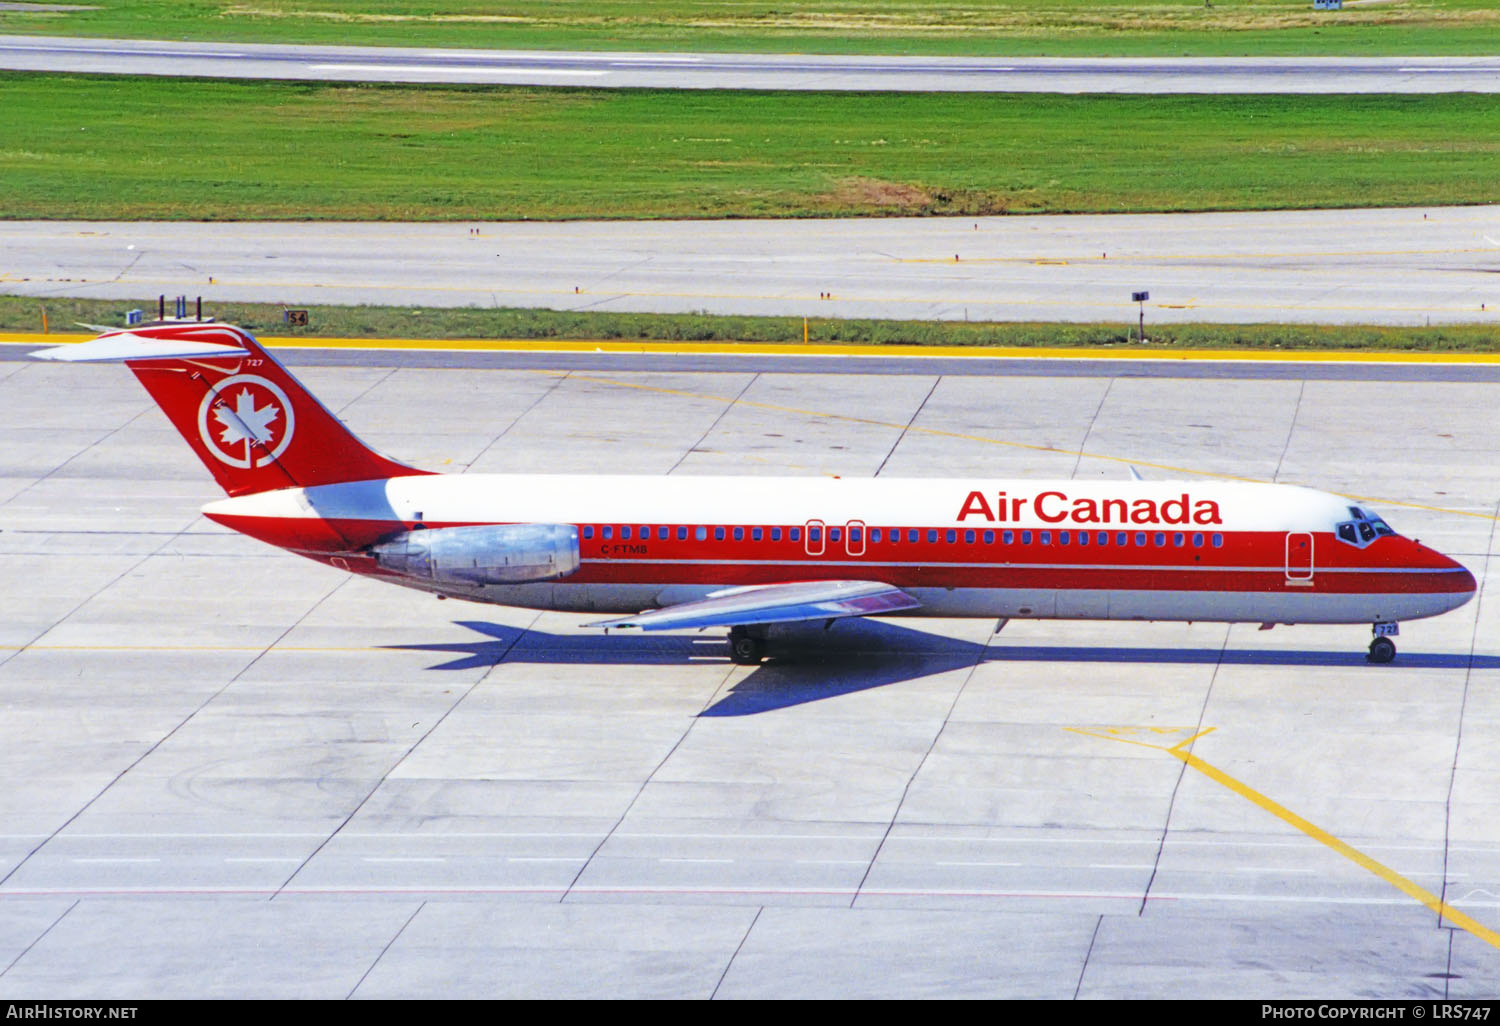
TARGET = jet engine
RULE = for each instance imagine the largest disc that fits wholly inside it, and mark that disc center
(488, 554)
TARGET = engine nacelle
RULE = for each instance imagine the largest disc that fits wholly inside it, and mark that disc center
(487, 554)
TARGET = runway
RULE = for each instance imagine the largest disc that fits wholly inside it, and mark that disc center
(299, 784)
(1391, 266)
(1327, 75)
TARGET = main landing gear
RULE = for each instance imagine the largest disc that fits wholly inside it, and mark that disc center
(1383, 649)
(746, 649)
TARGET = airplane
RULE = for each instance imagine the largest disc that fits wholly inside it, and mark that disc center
(664, 553)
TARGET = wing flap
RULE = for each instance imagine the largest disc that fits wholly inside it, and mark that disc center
(773, 603)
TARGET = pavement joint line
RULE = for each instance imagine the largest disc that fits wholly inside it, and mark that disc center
(916, 771)
(164, 738)
(761, 838)
(1317, 833)
(394, 937)
(438, 722)
(644, 889)
(1198, 731)
(937, 381)
(40, 937)
(729, 964)
(725, 891)
(1463, 706)
(822, 349)
(573, 885)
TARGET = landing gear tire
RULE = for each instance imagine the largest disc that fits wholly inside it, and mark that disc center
(744, 649)
(1382, 651)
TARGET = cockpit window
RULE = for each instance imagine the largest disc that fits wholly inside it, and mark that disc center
(1363, 529)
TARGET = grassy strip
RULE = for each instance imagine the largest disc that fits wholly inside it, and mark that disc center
(143, 148)
(1041, 27)
(18, 313)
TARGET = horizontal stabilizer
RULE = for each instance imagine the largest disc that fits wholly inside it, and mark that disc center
(773, 603)
(125, 345)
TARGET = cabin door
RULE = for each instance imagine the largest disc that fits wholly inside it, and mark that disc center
(1299, 557)
(813, 542)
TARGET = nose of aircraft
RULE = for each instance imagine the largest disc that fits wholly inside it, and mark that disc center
(1460, 582)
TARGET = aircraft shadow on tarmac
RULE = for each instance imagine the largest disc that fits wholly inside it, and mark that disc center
(809, 664)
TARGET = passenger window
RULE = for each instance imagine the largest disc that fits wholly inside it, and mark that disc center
(645, 532)
(1083, 537)
(588, 532)
(1025, 537)
(912, 535)
(1122, 539)
(1102, 538)
(776, 534)
(718, 534)
(813, 534)
(682, 534)
(1046, 538)
(1179, 539)
(794, 534)
(1198, 540)
(875, 536)
(701, 533)
(854, 535)
(756, 534)
(989, 537)
(835, 533)
(1062, 537)
(968, 537)
(952, 537)
(932, 537)
(895, 536)
(608, 532)
(1218, 540)
(739, 534)
(663, 533)
(625, 531)
(1161, 539)
(1009, 537)
(1140, 539)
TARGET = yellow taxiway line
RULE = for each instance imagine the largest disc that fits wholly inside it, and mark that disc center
(1317, 833)
(1132, 352)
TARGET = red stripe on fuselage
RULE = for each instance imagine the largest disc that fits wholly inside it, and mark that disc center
(1246, 561)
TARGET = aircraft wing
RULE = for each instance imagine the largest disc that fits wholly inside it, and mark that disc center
(773, 603)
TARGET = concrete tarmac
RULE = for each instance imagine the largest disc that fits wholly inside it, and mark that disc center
(1320, 75)
(1392, 266)
(234, 773)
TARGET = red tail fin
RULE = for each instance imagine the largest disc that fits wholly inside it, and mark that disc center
(251, 423)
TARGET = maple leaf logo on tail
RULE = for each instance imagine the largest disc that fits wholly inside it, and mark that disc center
(246, 421)
(251, 412)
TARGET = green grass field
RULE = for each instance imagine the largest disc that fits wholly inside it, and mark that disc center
(63, 315)
(128, 148)
(1043, 27)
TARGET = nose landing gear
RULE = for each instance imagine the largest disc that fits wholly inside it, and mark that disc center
(1382, 649)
